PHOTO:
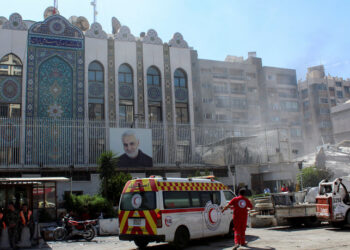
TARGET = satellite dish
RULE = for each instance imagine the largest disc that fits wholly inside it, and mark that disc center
(82, 23)
(49, 12)
(73, 19)
(115, 25)
(2, 20)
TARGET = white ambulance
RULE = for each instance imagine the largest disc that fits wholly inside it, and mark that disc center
(173, 210)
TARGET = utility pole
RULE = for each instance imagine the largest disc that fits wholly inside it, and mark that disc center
(94, 3)
(55, 7)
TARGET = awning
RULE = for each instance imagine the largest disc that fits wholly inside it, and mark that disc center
(32, 180)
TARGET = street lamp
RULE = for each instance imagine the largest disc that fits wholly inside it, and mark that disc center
(233, 172)
(71, 168)
(300, 165)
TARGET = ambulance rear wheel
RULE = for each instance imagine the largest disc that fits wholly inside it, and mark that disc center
(182, 237)
(141, 243)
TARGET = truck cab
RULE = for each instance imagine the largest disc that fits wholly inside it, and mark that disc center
(333, 202)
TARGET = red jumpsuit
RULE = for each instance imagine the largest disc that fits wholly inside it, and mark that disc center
(240, 215)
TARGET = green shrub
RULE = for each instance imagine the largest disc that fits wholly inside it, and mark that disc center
(94, 205)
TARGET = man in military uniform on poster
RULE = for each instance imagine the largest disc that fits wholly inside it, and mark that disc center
(133, 156)
(11, 220)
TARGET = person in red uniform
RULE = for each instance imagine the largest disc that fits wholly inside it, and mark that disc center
(240, 206)
(284, 188)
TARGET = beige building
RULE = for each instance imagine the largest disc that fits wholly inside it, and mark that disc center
(318, 94)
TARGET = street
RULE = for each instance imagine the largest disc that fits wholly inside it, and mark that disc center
(324, 237)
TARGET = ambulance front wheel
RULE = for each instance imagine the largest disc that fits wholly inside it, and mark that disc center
(182, 237)
(141, 243)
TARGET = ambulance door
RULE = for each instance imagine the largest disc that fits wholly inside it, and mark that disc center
(227, 216)
(212, 216)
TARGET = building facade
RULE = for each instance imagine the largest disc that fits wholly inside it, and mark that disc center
(318, 94)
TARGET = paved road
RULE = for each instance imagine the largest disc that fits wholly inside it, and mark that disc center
(259, 239)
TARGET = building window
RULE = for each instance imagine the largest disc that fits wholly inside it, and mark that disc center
(340, 94)
(333, 103)
(323, 100)
(182, 116)
(306, 105)
(324, 111)
(155, 112)
(125, 74)
(295, 132)
(153, 76)
(325, 124)
(338, 84)
(126, 111)
(347, 89)
(96, 91)
(10, 65)
(290, 106)
(180, 79)
(304, 93)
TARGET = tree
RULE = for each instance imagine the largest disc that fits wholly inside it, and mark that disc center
(112, 181)
(311, 176)
(107, 167)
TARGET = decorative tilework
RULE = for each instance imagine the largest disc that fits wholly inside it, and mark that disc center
(124, 34)
(178, 41)
(167, 79)
(10, 89)
(181, 95)
(55, 91)
(96, 31)
(15, 23)
(154, 93)
(152, 37)
(111, 81)
(140, 85)
(170, 136)
(56, 25)
(126, 91)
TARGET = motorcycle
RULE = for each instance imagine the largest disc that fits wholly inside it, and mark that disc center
(72, 228)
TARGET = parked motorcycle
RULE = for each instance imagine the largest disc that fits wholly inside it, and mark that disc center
(72, 228)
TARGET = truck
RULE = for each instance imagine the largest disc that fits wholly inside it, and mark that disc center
(333, 201)
(286, 208)
(296, 208)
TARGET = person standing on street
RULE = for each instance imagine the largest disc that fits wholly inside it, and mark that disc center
(12, 220)
(240, 206)
(26, 220)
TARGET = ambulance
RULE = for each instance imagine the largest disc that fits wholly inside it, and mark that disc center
(174, 210)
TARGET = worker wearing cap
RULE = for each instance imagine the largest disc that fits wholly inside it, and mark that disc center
(240, 206)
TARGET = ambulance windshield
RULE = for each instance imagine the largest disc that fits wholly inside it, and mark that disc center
(138, 201)
(326, 189)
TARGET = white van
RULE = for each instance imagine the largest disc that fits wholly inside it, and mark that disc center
(173, 210)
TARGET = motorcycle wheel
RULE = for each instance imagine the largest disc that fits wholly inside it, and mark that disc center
(59, 234)
(89, 234)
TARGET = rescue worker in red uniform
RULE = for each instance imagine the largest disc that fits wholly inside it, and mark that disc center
(240, 206)
(2, 221)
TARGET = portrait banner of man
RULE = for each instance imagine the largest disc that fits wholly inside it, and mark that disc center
(133, 146)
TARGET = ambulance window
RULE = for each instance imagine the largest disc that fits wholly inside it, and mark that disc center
(205, 197)
(176, 199)
(216, 198)
(195, 199)
(129, 201)
(228, 195)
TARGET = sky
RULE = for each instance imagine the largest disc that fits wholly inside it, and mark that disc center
(294, 34)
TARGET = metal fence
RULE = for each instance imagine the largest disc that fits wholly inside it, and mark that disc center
(52, 142)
